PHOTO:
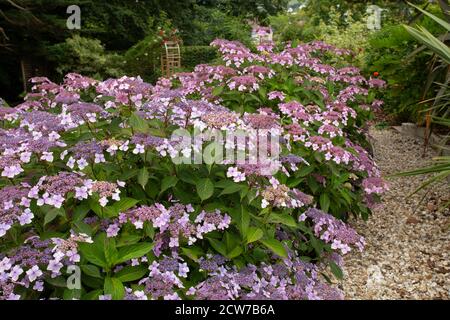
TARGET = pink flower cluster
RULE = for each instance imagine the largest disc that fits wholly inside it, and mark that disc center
(173, 224)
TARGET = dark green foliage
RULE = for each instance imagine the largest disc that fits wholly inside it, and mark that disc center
(390, 48)
(194, 55)
(35, 30)
(392, 55)
(210, 23)
(84, 56)
(319, 10)
(143, 59)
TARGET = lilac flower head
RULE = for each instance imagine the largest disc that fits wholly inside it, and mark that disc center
(334, 231)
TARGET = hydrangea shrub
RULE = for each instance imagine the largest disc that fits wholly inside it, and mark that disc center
(100, 199)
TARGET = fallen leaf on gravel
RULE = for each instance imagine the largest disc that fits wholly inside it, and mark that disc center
(412, 220)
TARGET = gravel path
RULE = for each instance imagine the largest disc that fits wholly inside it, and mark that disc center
(408, 244)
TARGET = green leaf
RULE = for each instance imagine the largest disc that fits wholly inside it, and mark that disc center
(110, 212)
(252, 195)
(128, 175)
(93, 253)
(52, 214)
(71, 294)
(124, 204)
(59, 282)
(91, 271)
(127, 239)
(345, 194)
(254, 234)
(80, 212)
(93, 295)
(317, 245)
(95, 206)
(231, 189)
(283, 218)
(236, 252)
(336, 270)
(111, 253)
(142, 177)
(149, 230)
(205, 189)
(324, 202)
(93, 283)
(443, 23)
(187, 176)
(168, 182)
(244, 191)
(138, 124)
(244, 221)
(425, 37)
(232, 240)
(304, 171)
(276, 247)
(193, 253)
(134, 251)
(115, 288)
(217, 91)
(131, 273)
(218, 246)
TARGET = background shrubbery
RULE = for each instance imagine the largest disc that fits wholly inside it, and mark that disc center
(194, 55)
(121, 38)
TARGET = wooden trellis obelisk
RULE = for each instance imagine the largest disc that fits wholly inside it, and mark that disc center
(170, 59)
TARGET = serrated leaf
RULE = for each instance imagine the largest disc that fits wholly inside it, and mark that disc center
(93, 295)
(275, 246)
(138, 124)
(193, 253)
(72, 294)
(94, 205)
(134, 251)
(143, 177)
(128, 174)
(124, 204)
(52, 214)
(91, 271)
(168, 182)
(93, 254)
(236, 252)
(205, 189)
(231, 189)
(254, 234)
(324, 202)
(111, 253)
(218, 246)
(283, 218)
(127, 239)
(304, 171)
(149, 230)
(115, 288)
(217, 91)
(131, 273)
(60, 281)
(80, 212)
(244, 221)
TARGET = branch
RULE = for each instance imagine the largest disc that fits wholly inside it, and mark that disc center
(16, 5)
(8, 20)
(2, 32)
(18, 23)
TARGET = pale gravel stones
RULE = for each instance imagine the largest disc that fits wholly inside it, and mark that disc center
(408, 245)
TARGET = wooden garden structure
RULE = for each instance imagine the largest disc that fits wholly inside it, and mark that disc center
(170, 58)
